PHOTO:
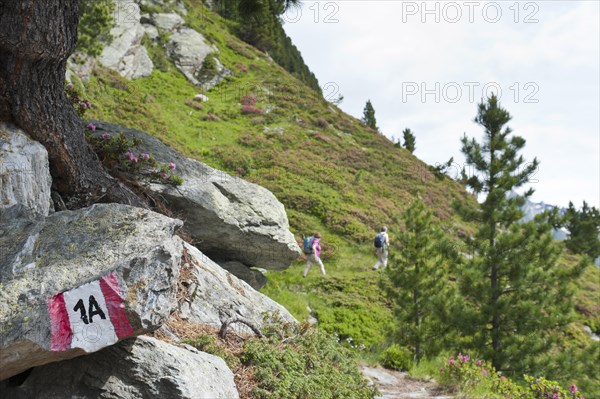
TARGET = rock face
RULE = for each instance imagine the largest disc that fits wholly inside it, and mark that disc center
(189, 49)
(121, 262)
(24, 174)
(229, 218)
(254, 278)
(166, 22)
(126, 54)
(141, 367)
(215, 295)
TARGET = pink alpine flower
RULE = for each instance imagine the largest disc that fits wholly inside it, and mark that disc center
(145, 156)
(70, 86)
(91, 126)
(130, 155)
(479, 363)
(573, 388)
(451, 361)
(172, 165)
(106, 136)
(555, 396)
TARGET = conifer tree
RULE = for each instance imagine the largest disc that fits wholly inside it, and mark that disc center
(417, 283)
(584, 228)
(409, 140)
(516, 293)
(369, 116)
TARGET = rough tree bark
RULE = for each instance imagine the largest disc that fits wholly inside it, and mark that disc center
(36, 38)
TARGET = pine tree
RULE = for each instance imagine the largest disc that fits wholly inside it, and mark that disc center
(515, 291)
(369, 116)
(584, 228)
(417, 283)
(409, 140)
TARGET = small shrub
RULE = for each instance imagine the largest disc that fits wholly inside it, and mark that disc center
(116, 153)
(241, 67)
(80, 105)
(95, 22)
(321, 122)
(209, 68)
(396, 358)
(208, 343)
(194, 104)
(298, 361)
(211, 117)
(467, 375)
(248, 100)
(251, 110)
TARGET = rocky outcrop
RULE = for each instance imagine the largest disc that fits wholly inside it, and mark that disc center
(254, 278)
(126, 54)
(141, 367)
(77, 281)
(229, 218)
(188, 49)
(166, 22)
(165, 4)
(214, 295)
(24, 174)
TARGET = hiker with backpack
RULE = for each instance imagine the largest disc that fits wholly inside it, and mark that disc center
(382, 242)
(312, 249)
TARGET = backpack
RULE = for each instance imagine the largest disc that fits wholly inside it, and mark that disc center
(308, 243)
(379, 241)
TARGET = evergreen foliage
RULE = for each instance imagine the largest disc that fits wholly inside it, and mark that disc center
(95, 22)
(417, 283)
(409, 140)
(584, 230)
(369, 115)
(516, 293)
(260, 24)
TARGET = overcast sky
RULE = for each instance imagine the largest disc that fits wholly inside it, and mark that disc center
(425, 66)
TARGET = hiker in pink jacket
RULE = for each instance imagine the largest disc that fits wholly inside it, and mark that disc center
(314, 255)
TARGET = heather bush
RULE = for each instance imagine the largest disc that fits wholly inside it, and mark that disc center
(397, 358)
(464, 374)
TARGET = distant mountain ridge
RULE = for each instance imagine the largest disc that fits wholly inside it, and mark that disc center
(532, 209)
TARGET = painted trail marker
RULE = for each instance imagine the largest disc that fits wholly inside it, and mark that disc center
(89, 317)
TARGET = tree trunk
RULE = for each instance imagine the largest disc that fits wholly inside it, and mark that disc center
(36, 38)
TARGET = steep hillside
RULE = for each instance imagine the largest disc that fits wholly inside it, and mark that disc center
(332, 173)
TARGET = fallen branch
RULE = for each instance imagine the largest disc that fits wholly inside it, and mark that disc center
(237, 319)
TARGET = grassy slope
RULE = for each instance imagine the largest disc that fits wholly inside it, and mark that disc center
(331, 172)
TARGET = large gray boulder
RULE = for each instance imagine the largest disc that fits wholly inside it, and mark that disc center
(126, 258)
(141, 367)
(166, 22)
(126, 54)
(229, 218)
(254, 278)
(24, 174)
(215, 295)
(188, 49)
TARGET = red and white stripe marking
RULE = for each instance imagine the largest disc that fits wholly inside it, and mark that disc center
(89, 317)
